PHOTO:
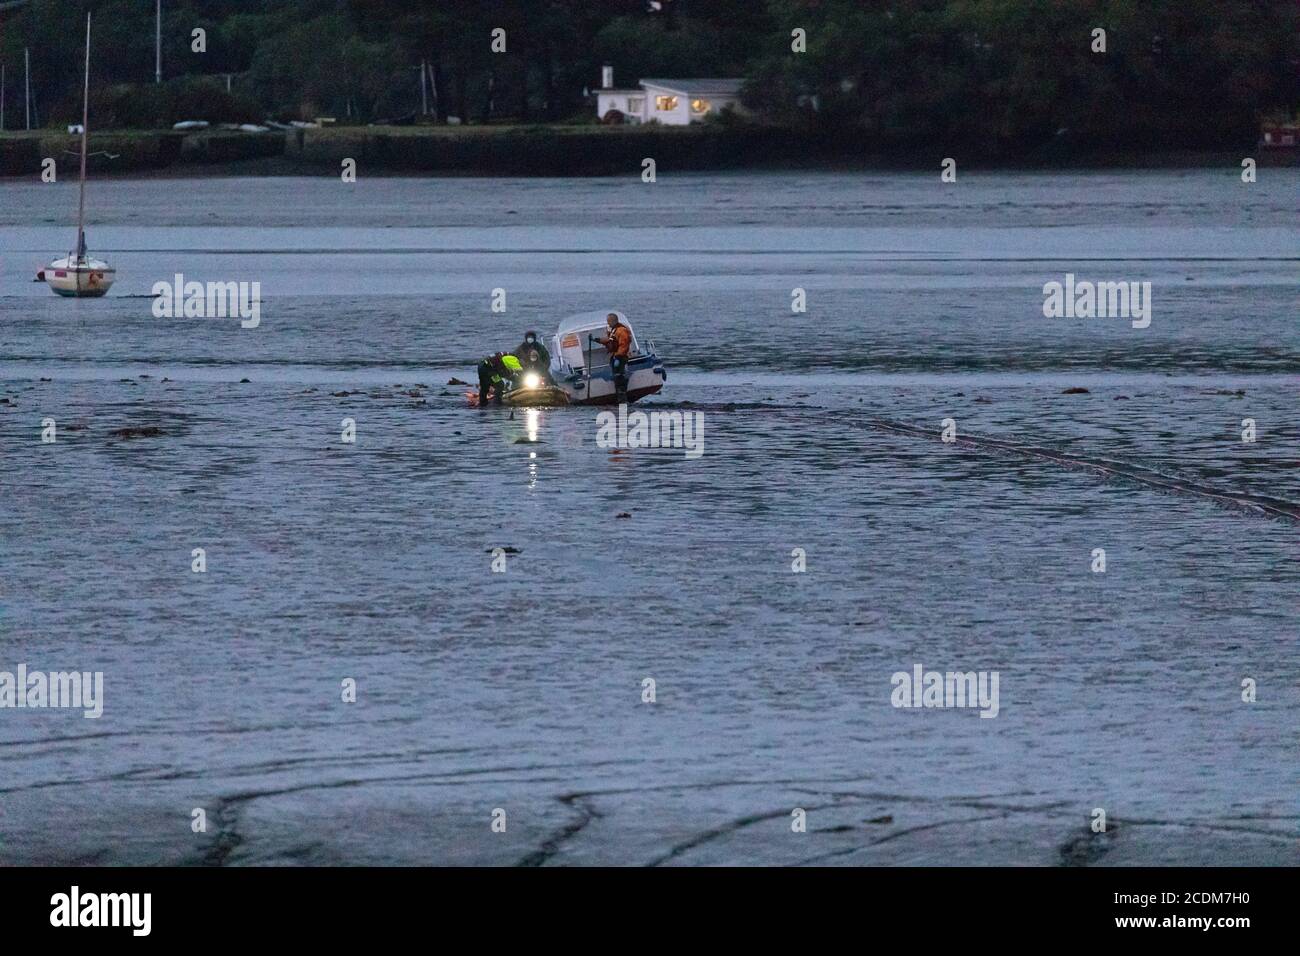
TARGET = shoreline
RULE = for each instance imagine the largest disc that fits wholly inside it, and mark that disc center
(544, 151)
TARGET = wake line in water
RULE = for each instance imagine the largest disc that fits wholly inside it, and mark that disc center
(1260, 504)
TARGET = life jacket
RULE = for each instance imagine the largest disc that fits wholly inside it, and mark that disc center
(498, 364)
(619, 342)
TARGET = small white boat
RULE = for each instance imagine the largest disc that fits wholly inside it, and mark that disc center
(77, 274)
(80, 276)
(580, 364)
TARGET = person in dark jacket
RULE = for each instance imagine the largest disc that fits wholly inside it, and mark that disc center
(495, 375)
(534, 357)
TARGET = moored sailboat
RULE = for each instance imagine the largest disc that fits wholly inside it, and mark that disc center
(77, 274)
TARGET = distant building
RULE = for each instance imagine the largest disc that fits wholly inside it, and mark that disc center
(1279, 134)
(671, 102)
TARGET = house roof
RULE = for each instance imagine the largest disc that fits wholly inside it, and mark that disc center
(699, 86)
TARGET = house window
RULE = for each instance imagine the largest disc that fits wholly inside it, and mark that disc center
(635, 104)
(700, 106)
(665, 104)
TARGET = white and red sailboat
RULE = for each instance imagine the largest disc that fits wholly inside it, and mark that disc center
(77, 274)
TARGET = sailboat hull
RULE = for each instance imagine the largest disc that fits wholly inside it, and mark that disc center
(84, 279)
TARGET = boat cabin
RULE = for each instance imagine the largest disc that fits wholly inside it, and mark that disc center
(577, 343)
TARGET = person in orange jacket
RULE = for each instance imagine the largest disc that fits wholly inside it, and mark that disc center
(619, 346)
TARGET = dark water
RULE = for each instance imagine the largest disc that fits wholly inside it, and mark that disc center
(522, 690)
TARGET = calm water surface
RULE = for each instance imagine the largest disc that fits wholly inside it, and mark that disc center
(522, 690)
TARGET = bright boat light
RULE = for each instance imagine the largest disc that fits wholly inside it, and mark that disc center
(532, 380)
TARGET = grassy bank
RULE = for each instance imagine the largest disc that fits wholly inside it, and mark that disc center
(528, 150)
(23, 154)
(481, 150)
(541, 150)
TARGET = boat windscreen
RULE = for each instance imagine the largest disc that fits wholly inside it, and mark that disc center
(581, 348)
(595, 355)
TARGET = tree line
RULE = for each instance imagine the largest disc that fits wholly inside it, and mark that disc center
(993, 75)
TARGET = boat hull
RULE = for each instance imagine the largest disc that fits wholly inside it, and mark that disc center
(81, 281)
(645, 376)
(545, 396)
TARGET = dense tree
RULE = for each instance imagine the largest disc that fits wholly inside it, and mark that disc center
(990, 76)
(1009, 75)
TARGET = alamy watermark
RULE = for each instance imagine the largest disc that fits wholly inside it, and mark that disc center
(75, 689)
(130, 910)
(211, 300)
(655, 429)
(1085, 300)
(923, 688)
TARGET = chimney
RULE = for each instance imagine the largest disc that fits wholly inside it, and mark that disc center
(607, 77)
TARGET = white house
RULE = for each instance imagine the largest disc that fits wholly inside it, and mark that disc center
(672, 102)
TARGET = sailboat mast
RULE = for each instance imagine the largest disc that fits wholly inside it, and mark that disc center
(85, 137)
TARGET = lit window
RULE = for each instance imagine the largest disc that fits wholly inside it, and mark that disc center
(665, 104)
(700, 106)
(635, 104)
